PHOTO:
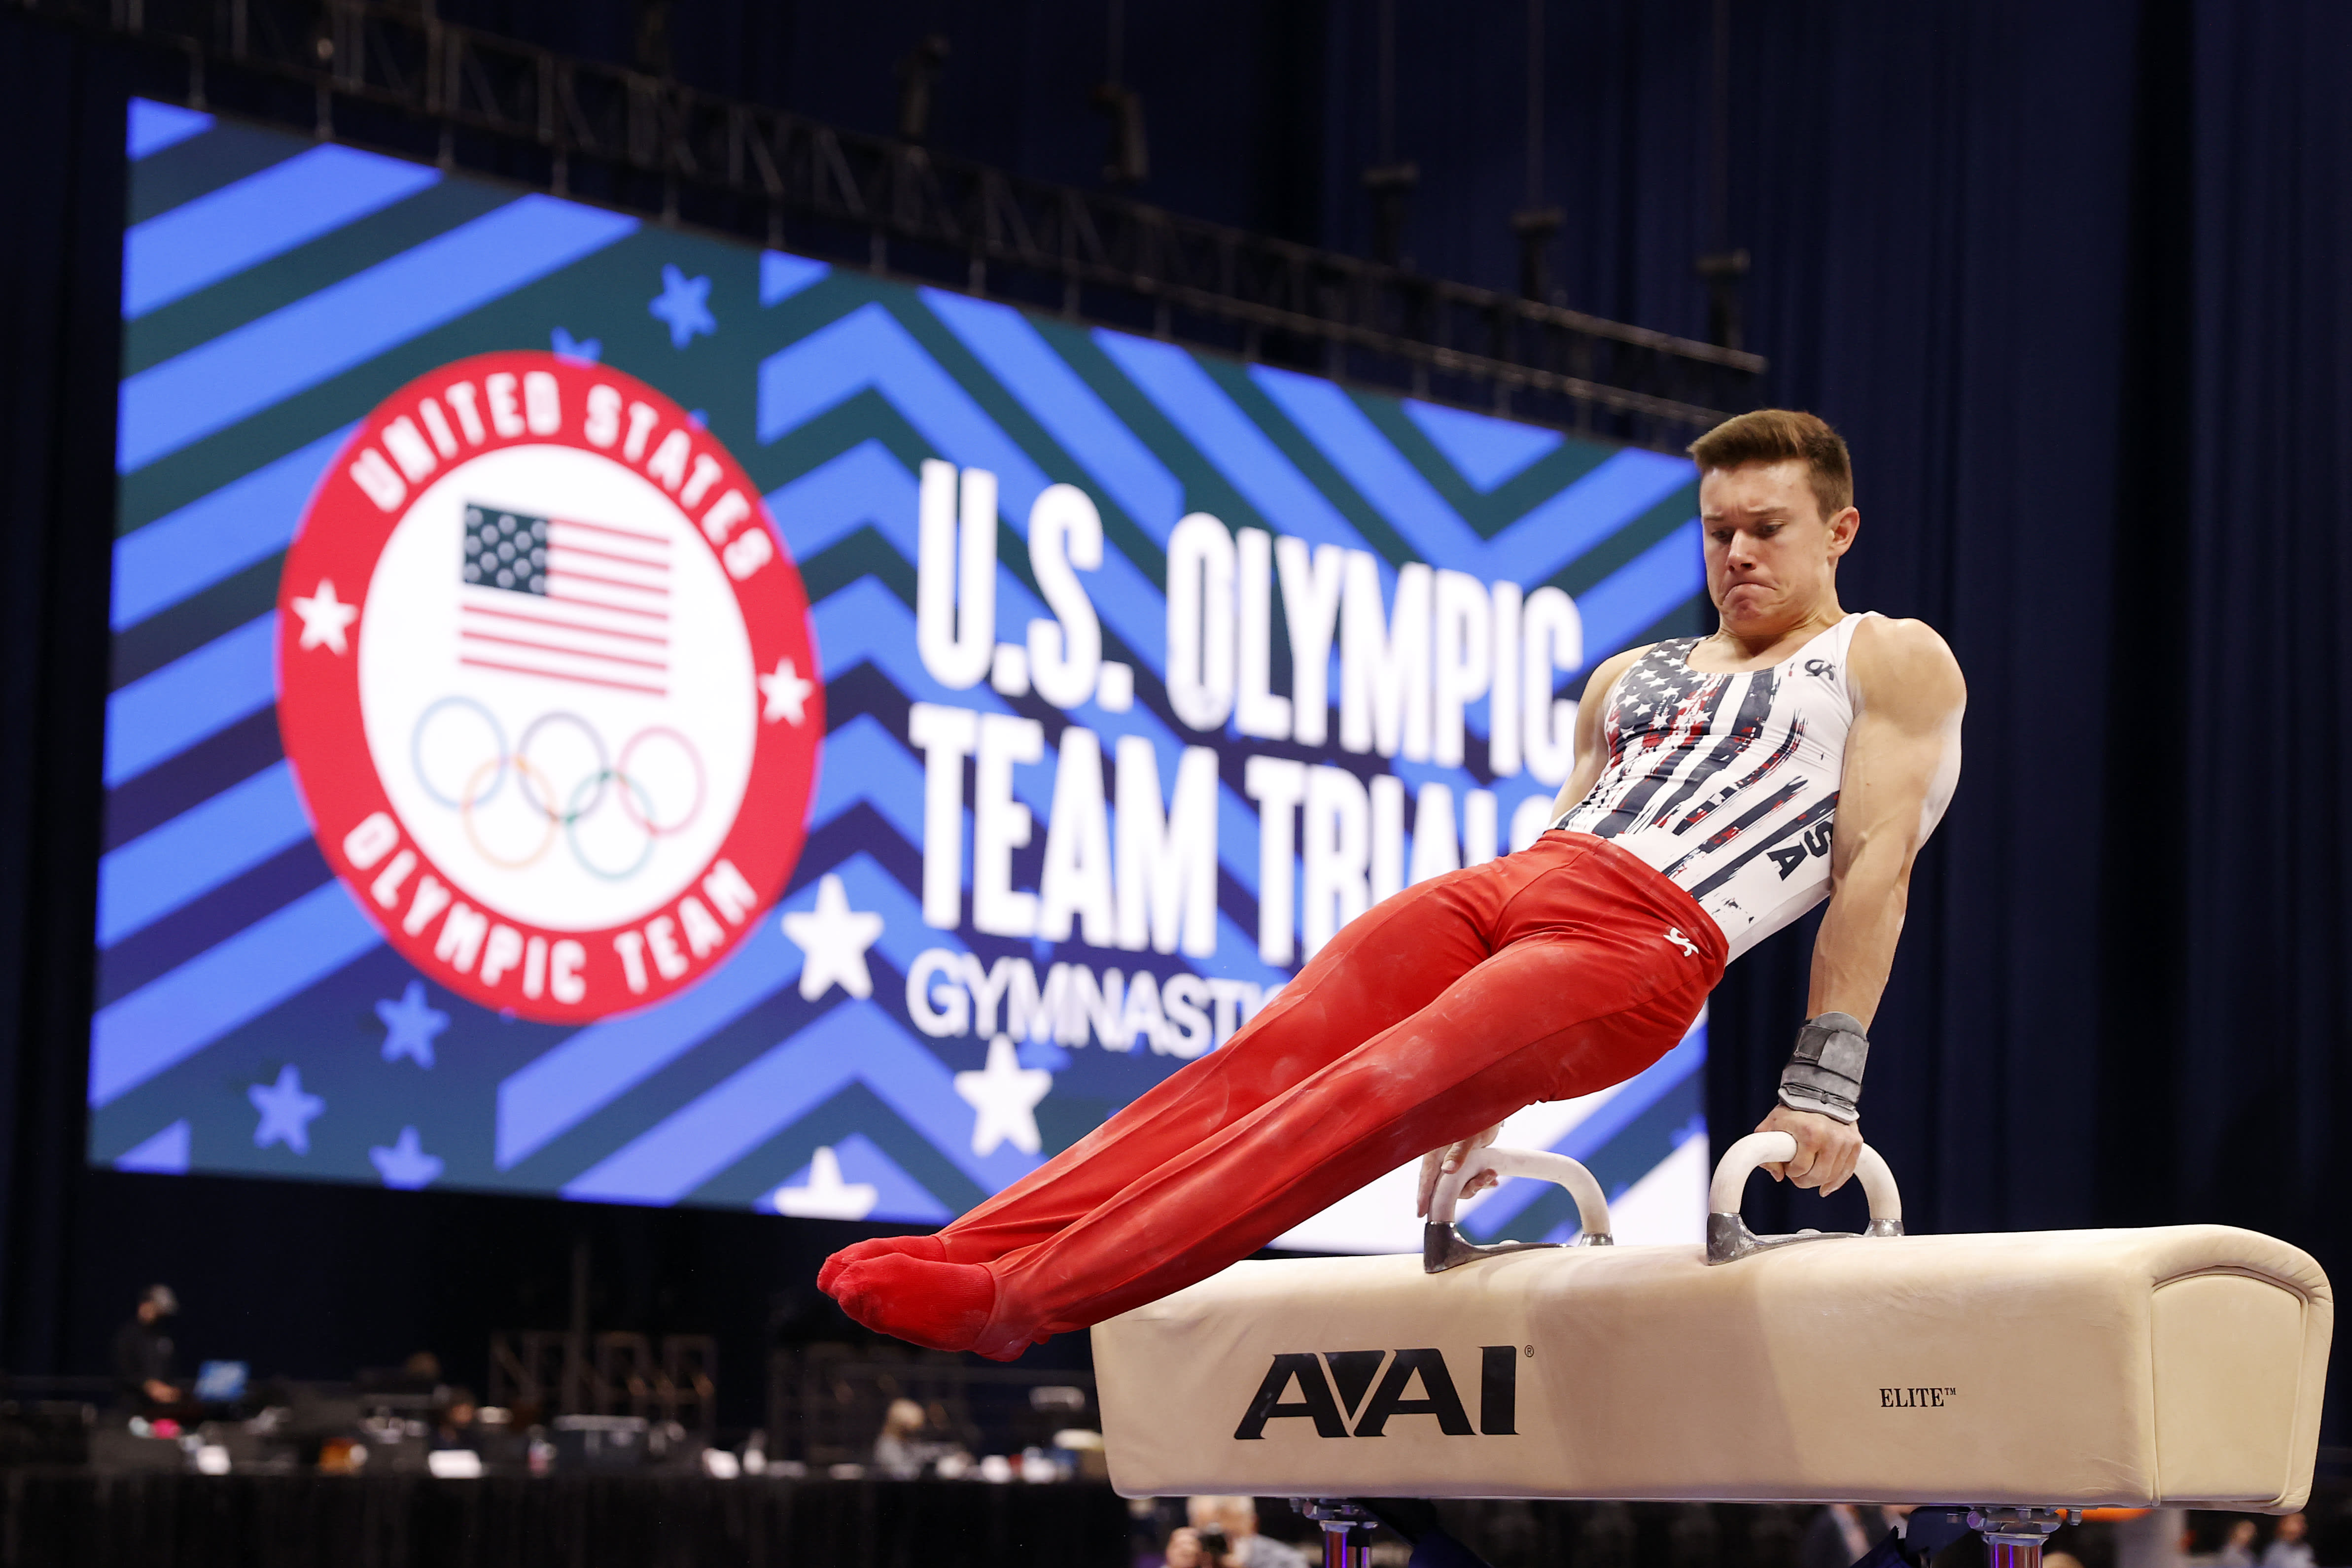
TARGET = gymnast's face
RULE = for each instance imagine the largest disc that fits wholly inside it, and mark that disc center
(1771, 558)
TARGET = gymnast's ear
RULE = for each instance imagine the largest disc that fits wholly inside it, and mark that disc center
(1843, 525)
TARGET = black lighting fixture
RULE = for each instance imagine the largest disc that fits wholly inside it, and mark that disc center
(1535, 222)
(1390, 182)
(653, 49)
(918, 74)
(1723, 272)
(1129, 160)
(1724, 266)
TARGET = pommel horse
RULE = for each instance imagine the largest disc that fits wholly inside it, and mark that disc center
(2028, 1375)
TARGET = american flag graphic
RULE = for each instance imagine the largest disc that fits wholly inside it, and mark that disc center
(565, 601)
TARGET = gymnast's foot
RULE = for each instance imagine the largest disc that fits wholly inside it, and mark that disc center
(939, 1306)
(929, 1248)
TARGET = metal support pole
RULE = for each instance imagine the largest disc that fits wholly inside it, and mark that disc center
(1345, 1527)
(2013, 1537)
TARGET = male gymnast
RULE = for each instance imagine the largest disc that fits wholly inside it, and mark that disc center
(1697, 820)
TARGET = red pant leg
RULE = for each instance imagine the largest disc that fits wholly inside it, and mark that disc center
(1586, 989)
(1385, 966)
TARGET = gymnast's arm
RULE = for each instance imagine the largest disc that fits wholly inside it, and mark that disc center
(1902, 759)
(1590, 757)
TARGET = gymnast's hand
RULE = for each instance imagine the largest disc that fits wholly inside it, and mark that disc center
(1827, 1150)
(1439, 1162)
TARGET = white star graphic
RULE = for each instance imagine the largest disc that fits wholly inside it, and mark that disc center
(1005, 1096)
(286, 1110)
(409, 1025)
(826, 1196)
(787, 692)
(835, 937)
(404, 1164)
(325, 618)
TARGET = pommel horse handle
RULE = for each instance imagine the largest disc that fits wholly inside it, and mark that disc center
(1443, 1247)
(1729, 1239)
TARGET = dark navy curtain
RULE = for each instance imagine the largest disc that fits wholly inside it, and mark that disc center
(2262, 1054)
(2070, 278)
(61, 115)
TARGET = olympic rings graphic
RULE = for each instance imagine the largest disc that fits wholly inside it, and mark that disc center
(416, 750)
(603, 764)
(692, 811)
(465, 816)
(562, 811)
(628, 787)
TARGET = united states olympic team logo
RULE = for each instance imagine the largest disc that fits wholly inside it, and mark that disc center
(548, 686)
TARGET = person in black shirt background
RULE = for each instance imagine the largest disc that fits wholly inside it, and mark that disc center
(142, 1351)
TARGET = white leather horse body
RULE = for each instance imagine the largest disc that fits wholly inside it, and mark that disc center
(2182, 1365)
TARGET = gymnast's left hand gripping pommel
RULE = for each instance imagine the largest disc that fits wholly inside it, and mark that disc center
(1729, 1239)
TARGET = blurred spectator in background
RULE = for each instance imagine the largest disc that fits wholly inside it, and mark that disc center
(1185, 1549)
(898, 1452)
(2238, 1550)
(423, 1371)
(456, 1423)
(142, 1351)
(1224, 1535)
(2291, 1547)
(908, 1446)
(1842, 1533)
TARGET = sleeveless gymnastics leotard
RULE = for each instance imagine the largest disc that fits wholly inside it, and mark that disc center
(1727, 783)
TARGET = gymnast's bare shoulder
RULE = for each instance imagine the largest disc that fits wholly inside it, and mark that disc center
(1905, 669)
(1903, 756)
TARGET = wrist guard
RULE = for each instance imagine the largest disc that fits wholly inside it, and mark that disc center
(1824, 1073)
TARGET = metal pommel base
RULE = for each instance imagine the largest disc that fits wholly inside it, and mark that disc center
(1444, 1247)
(1729, 1239)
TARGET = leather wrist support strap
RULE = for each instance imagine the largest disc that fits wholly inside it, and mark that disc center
(1824, 1073)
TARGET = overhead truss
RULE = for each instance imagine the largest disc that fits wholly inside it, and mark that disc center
(397, 76)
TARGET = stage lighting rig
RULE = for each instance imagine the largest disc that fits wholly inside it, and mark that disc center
(1535, 226)
(653, 50)
(1535, 220)
(918, 74)
(1390, 182)
(1723, 272)
(1129, 162)
(1391, 186)
(407, 81)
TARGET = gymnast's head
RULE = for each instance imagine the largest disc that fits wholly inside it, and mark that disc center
(1776, 505)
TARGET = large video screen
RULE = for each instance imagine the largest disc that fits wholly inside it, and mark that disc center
(603, 711)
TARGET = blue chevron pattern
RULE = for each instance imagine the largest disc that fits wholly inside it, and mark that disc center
(267, 311)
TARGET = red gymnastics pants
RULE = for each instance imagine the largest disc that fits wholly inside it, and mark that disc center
(1547, 974)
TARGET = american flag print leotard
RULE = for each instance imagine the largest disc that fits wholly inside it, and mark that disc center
(1727, 783)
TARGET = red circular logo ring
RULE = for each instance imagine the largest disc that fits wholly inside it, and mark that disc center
(547, 685)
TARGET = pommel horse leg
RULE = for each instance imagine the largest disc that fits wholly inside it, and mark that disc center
(1345, 1525)
(2013, 1536)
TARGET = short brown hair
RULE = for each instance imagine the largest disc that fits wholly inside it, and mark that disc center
(1775, 435)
